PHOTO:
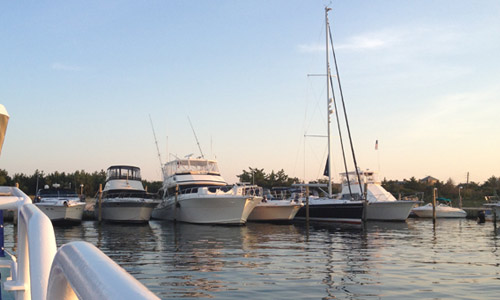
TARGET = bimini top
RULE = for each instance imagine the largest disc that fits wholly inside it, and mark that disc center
(191, 167)
(123, 172)
(443, 199)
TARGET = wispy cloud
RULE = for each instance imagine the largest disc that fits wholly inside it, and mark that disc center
(455, 116)
(418, 38)
(65, 67)
(311, 48)
(365, 43)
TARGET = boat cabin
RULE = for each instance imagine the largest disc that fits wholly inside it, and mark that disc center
(123, 172)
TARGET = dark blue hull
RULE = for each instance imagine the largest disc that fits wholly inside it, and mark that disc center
(333, 212)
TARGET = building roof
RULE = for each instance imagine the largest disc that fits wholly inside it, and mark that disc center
(429, 178)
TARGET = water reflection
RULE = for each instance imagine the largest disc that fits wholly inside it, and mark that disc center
(411, 260)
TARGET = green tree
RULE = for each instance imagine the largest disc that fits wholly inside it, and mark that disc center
(4, 178)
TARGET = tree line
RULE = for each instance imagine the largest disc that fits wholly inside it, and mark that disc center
(472, 193)
(259, 177)
(79, 181)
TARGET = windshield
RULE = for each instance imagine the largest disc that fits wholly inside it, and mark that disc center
(57, 193)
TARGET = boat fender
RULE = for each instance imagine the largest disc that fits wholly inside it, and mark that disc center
(65, 203)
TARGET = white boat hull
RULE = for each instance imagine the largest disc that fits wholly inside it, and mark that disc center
(126, 211)
(389, 210)
(208, 209)
(441, 212)
(62, 213)
(274, 212)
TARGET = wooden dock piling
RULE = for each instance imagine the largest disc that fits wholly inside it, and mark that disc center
(307, 205)
(434, 195)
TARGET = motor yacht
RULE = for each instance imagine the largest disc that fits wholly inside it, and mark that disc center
(382, 205)
(124, 198)
(62, 206)
(195, 192)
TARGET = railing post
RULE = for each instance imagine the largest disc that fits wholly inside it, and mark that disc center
(2, 248)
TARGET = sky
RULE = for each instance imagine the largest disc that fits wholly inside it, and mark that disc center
(86, 82)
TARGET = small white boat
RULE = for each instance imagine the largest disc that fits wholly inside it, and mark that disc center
(195, 192)
(382, 205)
(124, 198)
(442, 210)
(275, 211)
(62, 206)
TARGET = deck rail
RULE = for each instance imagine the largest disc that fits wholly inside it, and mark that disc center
(77, 269)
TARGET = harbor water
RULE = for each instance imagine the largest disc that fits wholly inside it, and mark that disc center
(453, 259)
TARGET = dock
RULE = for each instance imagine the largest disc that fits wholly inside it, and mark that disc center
(472, 212)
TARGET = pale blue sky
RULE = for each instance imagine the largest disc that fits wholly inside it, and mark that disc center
(80, 79)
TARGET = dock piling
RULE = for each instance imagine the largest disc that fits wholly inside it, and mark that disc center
(176, 203)
(434, 195)
(307, 205)
(100, 203)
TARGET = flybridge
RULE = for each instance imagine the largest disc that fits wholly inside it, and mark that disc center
(123, 172)
(191, 166)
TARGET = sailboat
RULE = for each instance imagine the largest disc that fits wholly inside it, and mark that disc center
(330, 209)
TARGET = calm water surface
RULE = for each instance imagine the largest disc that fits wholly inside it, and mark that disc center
(455, 259)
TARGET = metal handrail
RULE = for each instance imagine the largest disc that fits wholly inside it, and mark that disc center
(83, 267)
(36, 248)
(40, 272)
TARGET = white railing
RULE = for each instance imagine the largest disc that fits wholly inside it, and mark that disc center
(92, 274)
(77, 269)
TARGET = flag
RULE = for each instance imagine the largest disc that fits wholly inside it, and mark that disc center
(325, 172)
(376, 145)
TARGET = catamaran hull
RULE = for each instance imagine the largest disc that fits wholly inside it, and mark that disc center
(350, 213)
(389, 210)
(207, 210)
(63, 214)
(126, 212)
(276, 213)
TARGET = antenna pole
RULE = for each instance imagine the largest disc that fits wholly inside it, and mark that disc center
(197, 142)
(156, 142)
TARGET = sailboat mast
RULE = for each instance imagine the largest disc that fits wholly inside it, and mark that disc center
(328, 104)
